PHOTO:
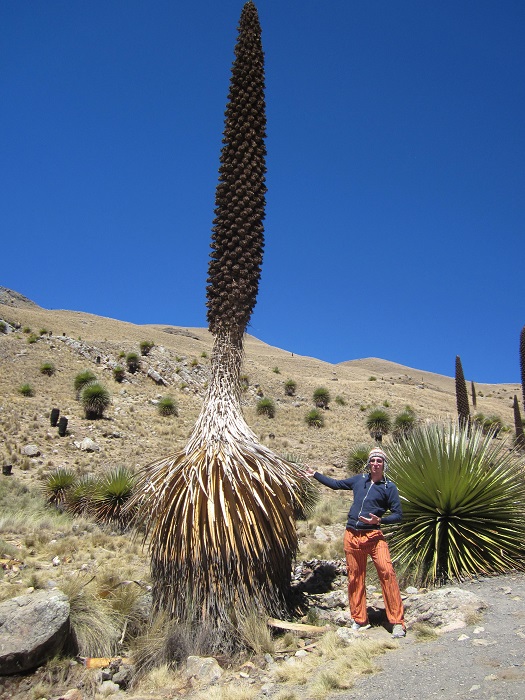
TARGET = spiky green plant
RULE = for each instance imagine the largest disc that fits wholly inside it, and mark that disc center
(26, 390)
(314, 418)
(358, 458)
(82, 380)
(95, 400)
(378, 423)
(321, 397)
(57, 484)
(79, 498)
(119, 373)
(290, 387)
(132, 362)
(519, 438)
(220, 514)
(463, 497)
(404, 423)
(145, 347)
(48, 369)
(167, 406)
(265, 407)
(110, 496)
(461, 394)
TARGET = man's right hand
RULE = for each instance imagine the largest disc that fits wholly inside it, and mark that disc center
(309, 471)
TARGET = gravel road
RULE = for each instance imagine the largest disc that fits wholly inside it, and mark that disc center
(485, 661)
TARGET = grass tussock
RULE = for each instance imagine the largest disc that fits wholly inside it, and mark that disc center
(231, 691)
(255, 633)
(96, 626)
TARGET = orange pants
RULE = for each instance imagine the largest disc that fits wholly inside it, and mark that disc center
(358, 545)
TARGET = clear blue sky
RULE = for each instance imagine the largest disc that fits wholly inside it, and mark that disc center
(396, 169)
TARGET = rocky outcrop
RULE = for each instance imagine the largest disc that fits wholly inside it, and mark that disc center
(33, 628)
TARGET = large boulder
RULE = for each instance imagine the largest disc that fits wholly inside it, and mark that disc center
(447, 608)
(33, 628)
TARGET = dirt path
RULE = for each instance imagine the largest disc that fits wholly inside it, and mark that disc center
(487, 665)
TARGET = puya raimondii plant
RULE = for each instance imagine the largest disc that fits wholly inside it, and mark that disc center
(220, 514)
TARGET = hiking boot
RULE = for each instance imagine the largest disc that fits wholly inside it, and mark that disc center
(398, 631)
(360, 628)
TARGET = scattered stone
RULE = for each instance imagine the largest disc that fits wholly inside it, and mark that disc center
(204, 669)
(411, 590)
(30, 451)
(108, 688)
(56, 561)
(89, 445)
(320, 534)
(123, 677)
(463, 637)
(73, 694)
(478, 630)
(33, 628)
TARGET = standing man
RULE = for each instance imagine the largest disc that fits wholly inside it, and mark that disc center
(374, 495)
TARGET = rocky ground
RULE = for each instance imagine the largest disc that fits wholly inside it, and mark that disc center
(485, 660)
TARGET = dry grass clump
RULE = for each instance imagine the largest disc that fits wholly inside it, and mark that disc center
(96, 626)
(232, 691)
(333, 666)
(255, 633)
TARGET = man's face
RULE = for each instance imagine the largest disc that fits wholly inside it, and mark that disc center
(377, 466)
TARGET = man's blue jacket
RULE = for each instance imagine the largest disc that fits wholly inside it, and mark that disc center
(369, 497)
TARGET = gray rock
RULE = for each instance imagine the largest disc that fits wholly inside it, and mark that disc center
(447, 608)
(203, 668)
(33, 628)
(30, 451)
(123, 677)
(411, 590)
(320, 534)
(109, 688)
(89, 445)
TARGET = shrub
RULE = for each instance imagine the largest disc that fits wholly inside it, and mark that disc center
(488, 424)
(111, 494)
(32, 338)
(204, 354)
(378, 423)
(3, 327)
(463, 501)
(358, 458)
(266, 407)
(26, 330)
(119, 373)
(372, 379)
(276, 370)
(26, 390)
(95, 400)
(82, 380)
(57, 484)
(245, 382)
(79, 498)
(289, 387)
(340, 400)
(194, 362)
(167, 406)
(132, 362)
(47, 368)
(314, 418)
(403, 425)
(42, 331)
(145, 347)
(321, 397)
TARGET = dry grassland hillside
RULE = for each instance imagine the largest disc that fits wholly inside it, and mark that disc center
(132, 433)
